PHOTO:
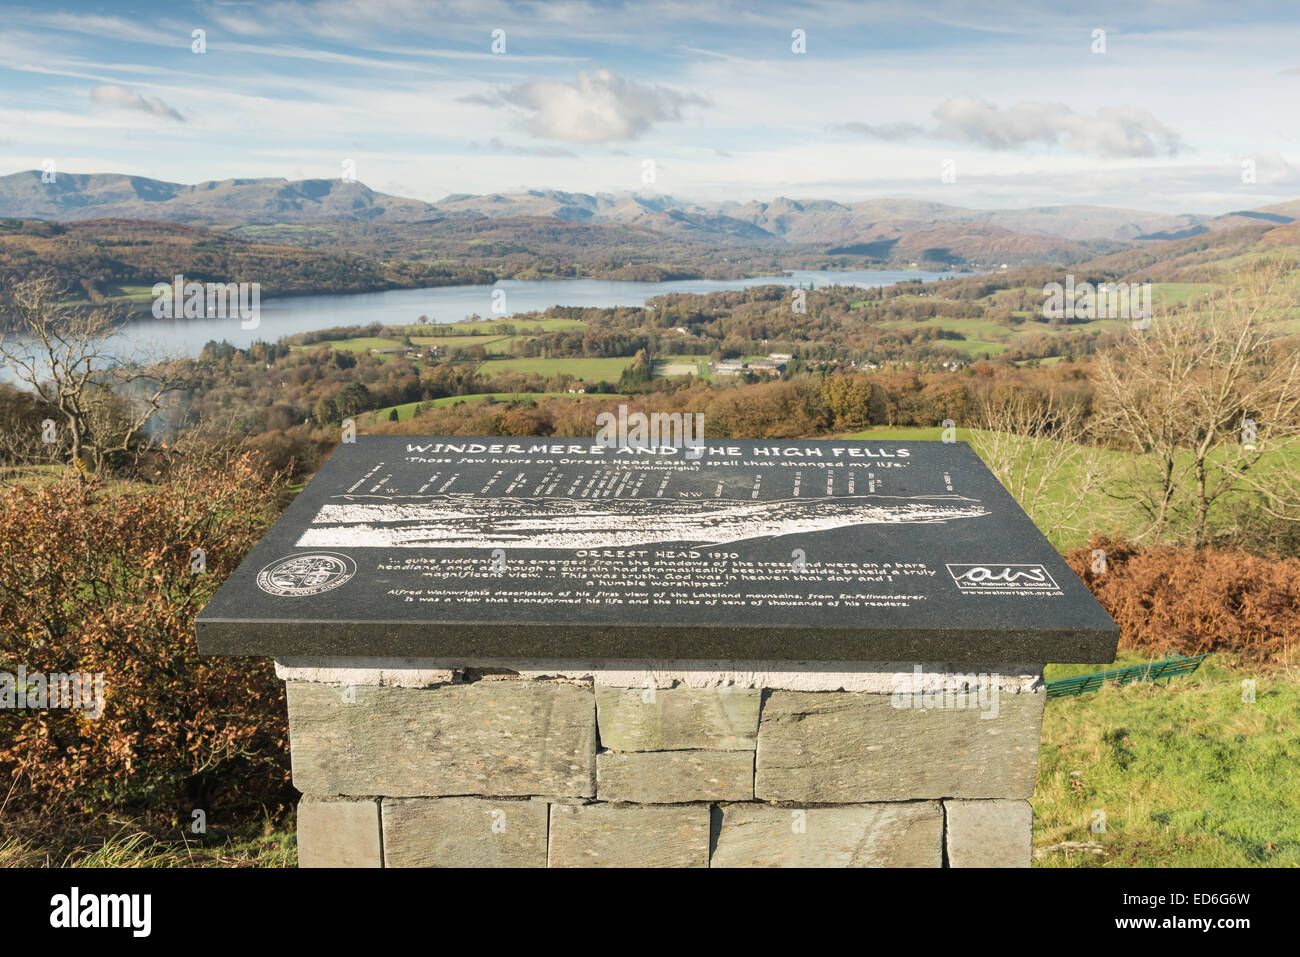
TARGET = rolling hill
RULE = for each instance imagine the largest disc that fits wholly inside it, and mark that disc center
(74, 196)
(122, 259)
(610, 234)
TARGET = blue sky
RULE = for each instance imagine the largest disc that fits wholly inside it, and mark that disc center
(1014, 101)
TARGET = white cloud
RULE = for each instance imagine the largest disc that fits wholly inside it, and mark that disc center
(597, 107)
(1123, 131)
(1113, 131)
(119, 97)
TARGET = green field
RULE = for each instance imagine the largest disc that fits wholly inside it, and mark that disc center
(1178, 293)
(588, 370)
(699, 365)
(407, 411)
(493, 327)
(112, 294)
(985, 329)
(988, 336)
(356, 344)
(492, 336)
(493, 345)
(133, 293)
(457, 342)
(982, 335)
(978, 348)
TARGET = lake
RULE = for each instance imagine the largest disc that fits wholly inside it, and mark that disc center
(286, 316)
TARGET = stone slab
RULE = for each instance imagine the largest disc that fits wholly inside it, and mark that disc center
(675, 777)
(846, 748)
(392, 672)
(495, 738)
(865, 835)
(464, 832)
(670, 719)
(486, 548)
(609, 835)
(880, 677)
(989, 833)
(339, 833)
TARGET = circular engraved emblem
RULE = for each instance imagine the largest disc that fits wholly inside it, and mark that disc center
(308, 574)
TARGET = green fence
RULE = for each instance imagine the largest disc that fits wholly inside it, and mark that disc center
(1172, 664)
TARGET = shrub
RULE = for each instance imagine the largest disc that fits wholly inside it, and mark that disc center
(98, 579)
(1254, 530)
(1196, 600)
(293, 452)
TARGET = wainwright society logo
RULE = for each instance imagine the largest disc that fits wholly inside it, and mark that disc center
(310, 574)
(1002, 577)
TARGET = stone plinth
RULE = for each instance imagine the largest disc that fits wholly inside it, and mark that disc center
(424, 764)
(528, 652)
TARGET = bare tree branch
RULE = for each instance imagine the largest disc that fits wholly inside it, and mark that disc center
(63, 355)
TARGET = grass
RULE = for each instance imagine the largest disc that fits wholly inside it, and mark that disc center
(1178, 293)
(978, 348)
(32, 474)
(136, 848)
(114, 294)
(903, 434)
(1186, 772)
(1105, 513)
(588, 370)
(499, 345)
(356, 344)
(132, 293)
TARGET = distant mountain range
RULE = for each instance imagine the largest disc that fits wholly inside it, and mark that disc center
(888, 230)
(74, 196)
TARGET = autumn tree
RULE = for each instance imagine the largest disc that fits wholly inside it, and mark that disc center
(853, 401)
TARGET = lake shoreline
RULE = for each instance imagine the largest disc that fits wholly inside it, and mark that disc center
(136, 306)
(284, 316)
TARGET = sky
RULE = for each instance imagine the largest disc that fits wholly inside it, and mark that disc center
(1182, 106)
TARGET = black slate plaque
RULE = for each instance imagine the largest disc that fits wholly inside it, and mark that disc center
(522, 548)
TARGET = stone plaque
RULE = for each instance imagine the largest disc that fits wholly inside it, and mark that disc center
(498, 549)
